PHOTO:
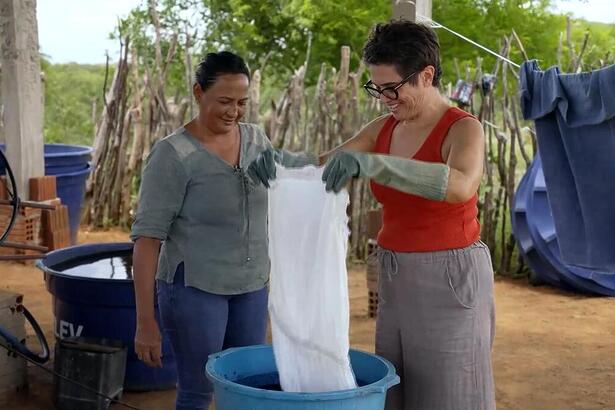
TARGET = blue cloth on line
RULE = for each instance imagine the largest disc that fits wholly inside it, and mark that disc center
(575, 125)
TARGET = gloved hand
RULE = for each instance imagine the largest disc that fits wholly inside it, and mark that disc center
(425, 179)
(339, 170)
(262, 169)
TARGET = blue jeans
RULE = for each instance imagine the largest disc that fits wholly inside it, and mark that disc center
(198, 324)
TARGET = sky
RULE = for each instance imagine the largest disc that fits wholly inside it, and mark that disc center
(78, 30)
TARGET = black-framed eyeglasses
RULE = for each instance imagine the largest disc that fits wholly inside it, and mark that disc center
(389, 92)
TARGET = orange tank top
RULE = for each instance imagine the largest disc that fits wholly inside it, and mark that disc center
(414, 224)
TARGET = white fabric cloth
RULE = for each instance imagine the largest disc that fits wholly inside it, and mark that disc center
(308, 301)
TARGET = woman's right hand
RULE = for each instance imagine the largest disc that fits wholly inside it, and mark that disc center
(148, 342)
(262, 169)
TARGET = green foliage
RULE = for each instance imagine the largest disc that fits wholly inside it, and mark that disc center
(273, 31)
(601, 44)
(488, 21)
(69, 92)
(282, 29)
(139, 28)
(278, 31)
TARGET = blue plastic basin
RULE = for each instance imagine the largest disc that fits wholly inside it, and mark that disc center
(238, 373)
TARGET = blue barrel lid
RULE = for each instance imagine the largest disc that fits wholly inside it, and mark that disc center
(66, 150)
(62, 150)
(53, 261)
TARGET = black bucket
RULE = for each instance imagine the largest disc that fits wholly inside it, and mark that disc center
(96, 363)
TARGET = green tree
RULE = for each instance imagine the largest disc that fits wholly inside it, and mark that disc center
(278, 30)
(272, 31)
(282, 29)
(489, 21)
(70, 90)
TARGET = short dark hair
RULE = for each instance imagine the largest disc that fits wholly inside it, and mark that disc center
(409, 46)
(216, 64)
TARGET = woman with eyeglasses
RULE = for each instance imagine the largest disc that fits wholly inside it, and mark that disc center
(424, 160)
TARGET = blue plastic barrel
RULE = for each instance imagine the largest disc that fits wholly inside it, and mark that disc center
(71, 190)
(71, 166)
(95, 298)
(541, 269)
(238, 373)
(65, 158)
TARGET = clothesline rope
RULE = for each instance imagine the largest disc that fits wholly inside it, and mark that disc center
(435, 24)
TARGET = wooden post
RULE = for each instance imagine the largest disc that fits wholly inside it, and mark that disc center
(342, 91)
(22, 91)
(255, 97)
(411, 9)
(189, 75)
(423, 8)
(404, 9)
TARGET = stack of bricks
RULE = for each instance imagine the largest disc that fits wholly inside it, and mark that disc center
(55, 232)
(26, 229)
(43, 188)
(49, 228)
(374, 223)
(372, 279)
(3, 189)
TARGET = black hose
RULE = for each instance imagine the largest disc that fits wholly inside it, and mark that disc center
(15, 344)
(13, 196)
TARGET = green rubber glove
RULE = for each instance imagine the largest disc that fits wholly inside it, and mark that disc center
(262, 169)
(426, 179)
(339, 170)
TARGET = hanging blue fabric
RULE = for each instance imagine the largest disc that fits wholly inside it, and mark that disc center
(575, 125)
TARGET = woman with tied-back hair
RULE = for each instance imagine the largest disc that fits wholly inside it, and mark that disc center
(200, 233)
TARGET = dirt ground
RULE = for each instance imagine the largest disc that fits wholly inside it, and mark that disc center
(553, 350)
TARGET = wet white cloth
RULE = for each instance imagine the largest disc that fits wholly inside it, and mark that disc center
(308, 302)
